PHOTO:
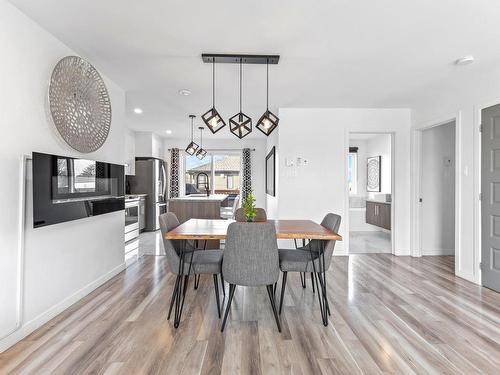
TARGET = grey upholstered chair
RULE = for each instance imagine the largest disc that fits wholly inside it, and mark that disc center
(301, 259)
(196, 262)
(259, 217)
(251, 259)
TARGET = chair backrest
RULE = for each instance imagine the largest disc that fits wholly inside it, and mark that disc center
(251, 254)
(169, 221)
(331, 222)
(260, 216)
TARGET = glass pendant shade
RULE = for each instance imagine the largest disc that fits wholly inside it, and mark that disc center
(240, 125)
(213, 120)
(192, 147)
(268, 122)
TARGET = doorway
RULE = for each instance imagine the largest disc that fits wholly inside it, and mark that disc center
(370, 188)
(437, 190)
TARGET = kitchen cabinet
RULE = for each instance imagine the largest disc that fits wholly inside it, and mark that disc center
(379, 214)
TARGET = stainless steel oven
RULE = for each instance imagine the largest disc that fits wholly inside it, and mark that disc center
(131, 219)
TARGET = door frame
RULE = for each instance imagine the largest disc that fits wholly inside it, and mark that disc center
(416, 185)
(346, 238)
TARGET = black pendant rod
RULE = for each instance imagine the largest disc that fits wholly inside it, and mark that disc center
(192, 126)
(213, 84)
(240, 82)
(267, 85)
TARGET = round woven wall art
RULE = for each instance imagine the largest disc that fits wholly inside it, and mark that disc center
(79, 104)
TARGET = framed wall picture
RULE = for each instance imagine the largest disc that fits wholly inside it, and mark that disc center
(271, 172)
(373, 174)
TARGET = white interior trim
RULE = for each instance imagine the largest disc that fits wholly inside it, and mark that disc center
(416, 177)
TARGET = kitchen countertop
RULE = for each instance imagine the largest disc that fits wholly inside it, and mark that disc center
(202, 198)
(375, 201)
(133, 197)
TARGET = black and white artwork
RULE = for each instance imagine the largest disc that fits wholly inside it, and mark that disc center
(373, 174)
(270, 172)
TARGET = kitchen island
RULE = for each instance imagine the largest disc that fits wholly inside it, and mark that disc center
(198, 206)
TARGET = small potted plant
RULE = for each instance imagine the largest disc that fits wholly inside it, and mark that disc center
(249, 207)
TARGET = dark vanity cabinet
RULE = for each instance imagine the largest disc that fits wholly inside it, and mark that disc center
(379, 214)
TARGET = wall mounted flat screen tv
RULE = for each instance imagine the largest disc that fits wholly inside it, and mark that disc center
(66, 188)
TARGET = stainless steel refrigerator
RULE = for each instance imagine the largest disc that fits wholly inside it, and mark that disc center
(151, 178)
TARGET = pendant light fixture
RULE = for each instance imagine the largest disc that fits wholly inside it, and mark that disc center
(200, 154)
(268, 121)
(212, 118)
(240, 124)
(192, 147)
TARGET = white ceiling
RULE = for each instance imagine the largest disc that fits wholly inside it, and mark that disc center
(334, 53)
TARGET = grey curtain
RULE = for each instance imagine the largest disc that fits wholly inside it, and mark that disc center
(247, 174)
(174, 173)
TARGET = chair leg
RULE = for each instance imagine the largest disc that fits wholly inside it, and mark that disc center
(283, 285)
(303, 279)
(232, 287)
(312, 282)
(196, 281)
(273, 305)
(174, 294)
(216, 288)
(223, 286)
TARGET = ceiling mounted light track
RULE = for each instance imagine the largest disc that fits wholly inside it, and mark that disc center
(211, 118)
(200, 154)
(237, 58)
(268, 121)
(240, 124)
(192, 147)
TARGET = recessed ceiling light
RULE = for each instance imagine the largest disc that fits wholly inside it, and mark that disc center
(168, 131)
(137, 111)
(466, 60)
(184, 92)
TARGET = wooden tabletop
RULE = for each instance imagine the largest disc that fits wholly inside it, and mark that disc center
(205, 229)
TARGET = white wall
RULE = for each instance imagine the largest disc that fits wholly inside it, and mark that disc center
(321, 136)
(438, 190)
(258, 158)
(462, 97)
(63, 262)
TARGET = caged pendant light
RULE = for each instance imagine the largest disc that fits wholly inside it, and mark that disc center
(268, 121)
(192, 147)
(240, 124)
(211, 118)
(200, 154)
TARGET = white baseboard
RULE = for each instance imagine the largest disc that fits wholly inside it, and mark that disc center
(44, 317)
(434, 252)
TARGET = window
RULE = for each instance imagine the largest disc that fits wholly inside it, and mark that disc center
(352, 172)
(198, 176)
(222, 171)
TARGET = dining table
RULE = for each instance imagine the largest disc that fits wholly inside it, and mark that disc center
(216, 229)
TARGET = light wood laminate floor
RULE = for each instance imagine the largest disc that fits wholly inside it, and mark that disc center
(395, 315)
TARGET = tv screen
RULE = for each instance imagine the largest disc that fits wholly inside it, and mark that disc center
(66, 188)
